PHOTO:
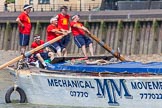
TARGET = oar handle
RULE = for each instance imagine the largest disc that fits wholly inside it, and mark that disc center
(31, 52)
(105, 46)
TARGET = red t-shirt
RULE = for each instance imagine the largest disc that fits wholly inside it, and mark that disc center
(34, 45)
(24, 18)
(51, 35)
(63, 21)
(76, 31)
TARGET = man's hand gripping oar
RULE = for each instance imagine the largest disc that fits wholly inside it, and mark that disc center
(31, 52)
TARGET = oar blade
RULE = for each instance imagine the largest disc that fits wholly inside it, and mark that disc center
(105, 46)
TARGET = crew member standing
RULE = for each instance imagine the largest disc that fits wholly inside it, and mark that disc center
(64, 25)
(24, 25)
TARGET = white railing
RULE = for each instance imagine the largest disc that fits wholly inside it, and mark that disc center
(52, 7)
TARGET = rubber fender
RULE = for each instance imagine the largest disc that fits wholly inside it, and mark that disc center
(19, 90)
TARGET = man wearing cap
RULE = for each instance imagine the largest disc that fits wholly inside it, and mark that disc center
(78, 31)
(52, 32)
(64, 25)
(24, 25)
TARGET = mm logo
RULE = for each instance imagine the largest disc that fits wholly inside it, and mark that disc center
(110, 88)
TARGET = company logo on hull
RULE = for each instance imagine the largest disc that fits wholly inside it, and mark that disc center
(112, 89)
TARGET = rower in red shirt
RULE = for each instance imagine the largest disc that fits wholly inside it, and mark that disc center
(37, 42)
(64, 25)
(24, 25)
(42, 54)
(52, 32)
(80, 38)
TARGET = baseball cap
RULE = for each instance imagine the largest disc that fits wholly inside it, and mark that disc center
(26, 6)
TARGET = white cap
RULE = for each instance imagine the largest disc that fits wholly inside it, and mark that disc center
(53, 19)
(27, 6)
(74, 16)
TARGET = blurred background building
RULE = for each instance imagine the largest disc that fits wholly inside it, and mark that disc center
(53, 5)
(82, 5)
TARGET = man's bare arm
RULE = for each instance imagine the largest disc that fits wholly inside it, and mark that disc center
(19, 22)
(81, 27)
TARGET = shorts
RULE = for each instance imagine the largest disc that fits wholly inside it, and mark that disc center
(56, 46)
(81, 40)
(44, 55)
(65, 40)
(24, 39)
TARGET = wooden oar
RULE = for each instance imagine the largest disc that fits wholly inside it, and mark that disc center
(105, 46)
(31, 52)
